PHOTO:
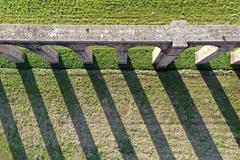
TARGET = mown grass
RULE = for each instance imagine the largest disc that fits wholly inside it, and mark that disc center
(120, 12)
(85, 114)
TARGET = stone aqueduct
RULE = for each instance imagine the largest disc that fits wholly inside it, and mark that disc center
(169, 40)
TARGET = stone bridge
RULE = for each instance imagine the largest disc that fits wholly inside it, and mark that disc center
(169, 40)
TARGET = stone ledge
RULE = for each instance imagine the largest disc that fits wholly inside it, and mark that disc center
(171, 39)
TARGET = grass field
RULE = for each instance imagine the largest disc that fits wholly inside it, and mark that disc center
(147, 115)
(106, 111)
(120, 12)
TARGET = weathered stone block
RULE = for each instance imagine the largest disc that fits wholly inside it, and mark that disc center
(45, 51)
(84, 52)
(207, 53)
(12, 53)
(235, 56)
(163, 58)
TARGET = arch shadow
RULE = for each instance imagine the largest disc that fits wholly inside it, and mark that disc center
(108, 57)
(110, 110)
(138, 53)
(40, 112)
(10, 127)
(222, 101)
(156, 133)
(76, 113)
(189, 115)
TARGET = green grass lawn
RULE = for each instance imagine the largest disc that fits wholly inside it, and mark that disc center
(120, 12)
(78, 114)
(106, 111)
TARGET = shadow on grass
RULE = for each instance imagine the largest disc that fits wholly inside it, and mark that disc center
(111, 113)
(189, 116)
(147, 113)
(10, 127)
(222, 101)
(40, 112)
(76, 113)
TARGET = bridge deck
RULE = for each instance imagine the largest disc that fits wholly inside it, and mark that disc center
(172, 39)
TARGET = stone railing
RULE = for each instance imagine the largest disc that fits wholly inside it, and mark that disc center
(169, 40)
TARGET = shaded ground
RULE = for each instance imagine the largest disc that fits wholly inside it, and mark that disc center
(114, 114)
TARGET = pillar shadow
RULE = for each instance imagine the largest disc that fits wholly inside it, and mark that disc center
(76, 113)
(111, 113)
(189, 116)
(40, 112)
(147, 113)
(223, 103)
(10, 127)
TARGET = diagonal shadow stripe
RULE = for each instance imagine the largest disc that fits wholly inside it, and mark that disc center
(111, 113)
(10, 127)
(147, 113)
(40, 113)
(76, 113)
(223, 103)
(189, 115)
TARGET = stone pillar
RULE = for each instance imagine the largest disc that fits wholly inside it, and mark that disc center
(12, 53)
(163, 58)
(156, 55)
(208, 52)
(84, 52)
(122, 53)
(45, 51)
(235, 56)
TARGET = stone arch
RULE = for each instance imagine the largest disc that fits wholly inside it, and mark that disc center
(12, 53)
(154, 49)
(83, 51)
(208, 52)
(110, 50)
(121, 51)
(47, 52)
(164, 53)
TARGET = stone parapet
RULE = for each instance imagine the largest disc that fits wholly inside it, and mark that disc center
(170, 40)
